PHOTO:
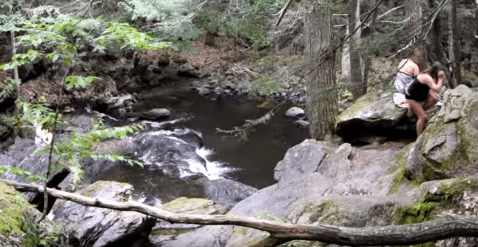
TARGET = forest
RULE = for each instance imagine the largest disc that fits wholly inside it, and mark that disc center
(328, 57)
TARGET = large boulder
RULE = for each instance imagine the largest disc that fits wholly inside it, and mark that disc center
(90, 226)
(373, 113)
(311, 175)
(449, 143)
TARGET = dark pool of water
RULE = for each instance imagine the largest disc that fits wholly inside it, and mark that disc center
(254, 158)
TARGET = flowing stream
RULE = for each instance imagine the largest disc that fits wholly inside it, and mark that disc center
(176, 151)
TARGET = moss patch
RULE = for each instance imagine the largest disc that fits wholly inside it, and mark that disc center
(418, 213)
(94, 189)
(190, 205)
(12, 206)
(454, 187)
(399, 165)
(325, 212)
(361, 103)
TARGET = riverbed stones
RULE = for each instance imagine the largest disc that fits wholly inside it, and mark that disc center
(156, 114)
(295, 112)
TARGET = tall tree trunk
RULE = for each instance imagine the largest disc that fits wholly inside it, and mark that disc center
(435, 48)
(414, 10)
(15, 72)
(345, 77)
(322, 100)
(454, 51)
(355, 84)
(367, 58)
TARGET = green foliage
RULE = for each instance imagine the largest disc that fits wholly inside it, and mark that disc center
(171, 19)
(79, 82)
(30, 176)
(241, 21)
(34, 235)
(9, 87)
(71, 151)
(62, 37)
(346, 94)
(128, 36)
(37, 114)
(265, 85)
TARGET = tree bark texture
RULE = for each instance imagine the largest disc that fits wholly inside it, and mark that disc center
(434, 39)
(345, 77)
(322, 100)
(447, 227)
(355, 85)
(15, 70)
(367, 58)
(454, 44)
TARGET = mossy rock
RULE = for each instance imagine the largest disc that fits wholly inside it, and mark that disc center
(12, 207)
(324, 211)
(373, 113)
(109, 190)
(449, 142)
(245, 236)
(194, 206)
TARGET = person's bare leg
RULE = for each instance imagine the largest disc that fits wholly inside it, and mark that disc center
(417, 108)
(432, 99)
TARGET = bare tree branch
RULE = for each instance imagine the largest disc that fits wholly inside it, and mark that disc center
(282, 12)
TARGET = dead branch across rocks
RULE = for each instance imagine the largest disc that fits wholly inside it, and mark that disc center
(446, 227)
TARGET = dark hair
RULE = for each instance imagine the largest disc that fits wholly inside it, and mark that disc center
(433, 71)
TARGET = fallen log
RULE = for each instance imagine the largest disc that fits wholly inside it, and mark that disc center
(443, 228)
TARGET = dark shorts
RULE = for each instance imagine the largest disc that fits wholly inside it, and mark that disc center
(417, 91)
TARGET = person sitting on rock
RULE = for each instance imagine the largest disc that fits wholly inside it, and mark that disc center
(407, 71)
(422, 93)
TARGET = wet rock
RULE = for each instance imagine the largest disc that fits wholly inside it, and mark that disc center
(116, 106)
(156, 114)
(302, 123)
(7, 103)
(153, 114)
(97, 227)
(295, 112)
(159, 150)
(155, 80)
(188, 72)
(6, 137)
(163, 61)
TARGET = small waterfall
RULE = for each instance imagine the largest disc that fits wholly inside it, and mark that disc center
(180, 152)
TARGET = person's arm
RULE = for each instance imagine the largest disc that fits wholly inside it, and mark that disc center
(428, 80)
